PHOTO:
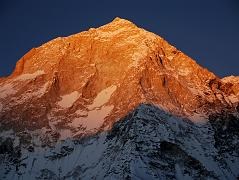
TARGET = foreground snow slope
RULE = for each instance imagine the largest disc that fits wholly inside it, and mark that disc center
(147, 144)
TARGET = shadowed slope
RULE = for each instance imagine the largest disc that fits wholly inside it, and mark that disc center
(146, 144)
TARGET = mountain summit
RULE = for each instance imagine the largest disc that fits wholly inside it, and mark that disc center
(77, 86)
(109, 71)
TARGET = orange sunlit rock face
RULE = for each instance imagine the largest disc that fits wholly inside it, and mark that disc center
(85, 82)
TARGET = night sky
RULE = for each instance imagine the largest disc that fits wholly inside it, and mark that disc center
(206, 30)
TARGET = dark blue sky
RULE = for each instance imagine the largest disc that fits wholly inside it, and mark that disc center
(206, 30)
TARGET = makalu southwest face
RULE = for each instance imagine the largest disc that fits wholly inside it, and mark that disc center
(117, 102)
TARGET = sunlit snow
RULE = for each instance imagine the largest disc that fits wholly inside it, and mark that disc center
(25, 77)
(69, 99)
(104, 34)
(81, 112)
(184, 71)
(42, 90)
(233, 98)
(103, 97)
(6, 90)
(94, 118)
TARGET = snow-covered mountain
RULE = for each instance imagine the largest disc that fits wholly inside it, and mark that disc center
(117, 102)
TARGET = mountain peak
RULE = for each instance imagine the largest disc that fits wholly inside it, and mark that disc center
(79, 86)
(121, 22)
(109, 71)
(117, 25)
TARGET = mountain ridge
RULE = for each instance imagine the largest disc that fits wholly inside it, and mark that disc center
(141, 66)
(117, 101)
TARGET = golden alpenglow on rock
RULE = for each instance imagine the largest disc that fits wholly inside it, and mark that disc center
(117, 102)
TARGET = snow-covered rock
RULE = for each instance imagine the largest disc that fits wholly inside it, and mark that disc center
(116, 102)
(147, 144)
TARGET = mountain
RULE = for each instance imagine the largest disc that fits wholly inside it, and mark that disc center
(117, 102)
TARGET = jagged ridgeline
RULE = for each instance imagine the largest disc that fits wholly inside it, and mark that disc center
(116, 102)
